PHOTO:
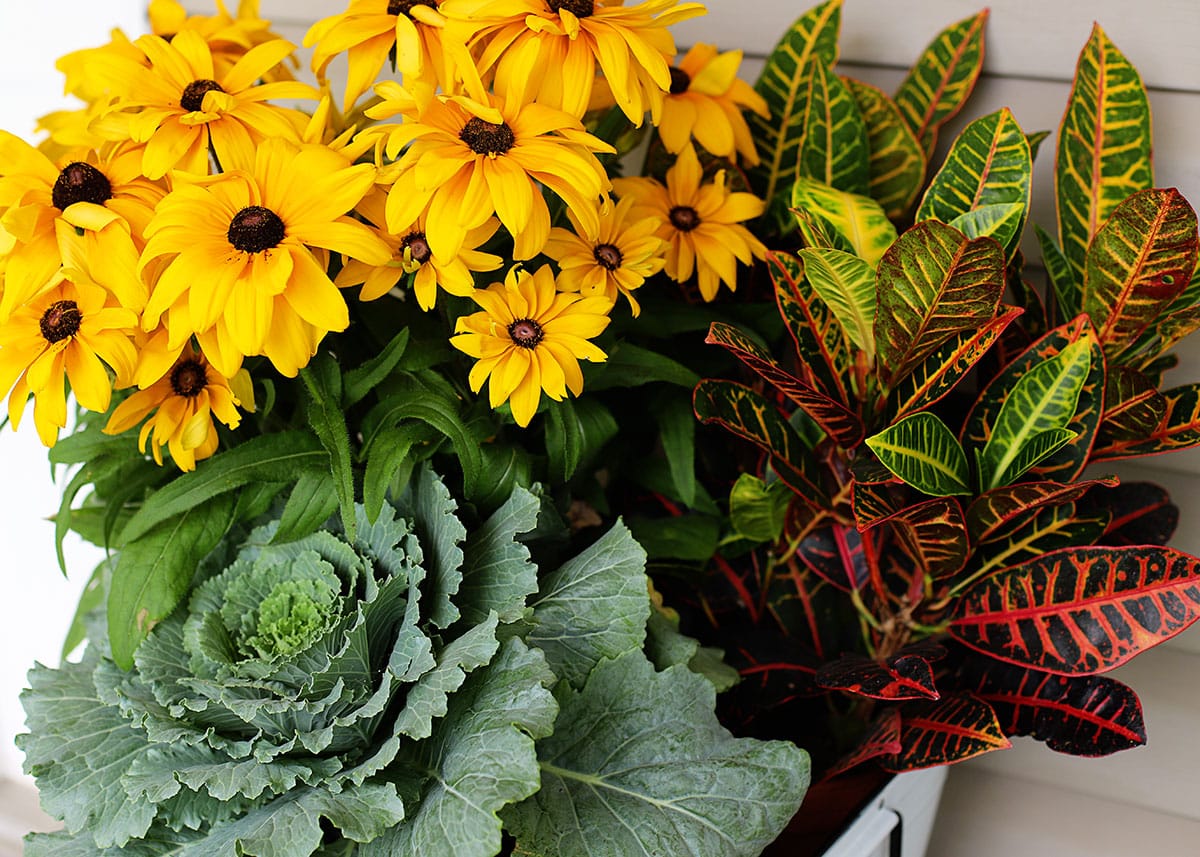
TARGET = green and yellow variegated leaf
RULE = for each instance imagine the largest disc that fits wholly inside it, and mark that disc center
(1033, 419)
(1035, 140)
(822, 349)
(784, 85)
(1050, 528)
(943, 77)
(923, 452)
(1179, 429)
(988, 167)
(1103, 146)
(897, 161)
(933, 283)
(834, 150)
(1066, 287)
(817, 232)
(859, 219)
(847, 285)
(1140, 260)
(1133, 406)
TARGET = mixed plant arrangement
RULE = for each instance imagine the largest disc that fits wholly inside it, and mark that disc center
(380, 612)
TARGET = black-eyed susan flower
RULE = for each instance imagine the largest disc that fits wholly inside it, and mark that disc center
(469, 160)
(412, 254)
(369, 31)
(67, 334)
(243, 255)
(549, 50)
(183, 403)
(181, 105)
(528, 340)
(705, 103)
(617, 261)
(701, 223)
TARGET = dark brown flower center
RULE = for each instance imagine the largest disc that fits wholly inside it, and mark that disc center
(526, 332)
(680, 80)
(403, 7)
(254, 229)
(80, 182)
(684, 218)
(417, 247)
(578, 8)
(189, 378)
(485, 138)
(608, 256)
(193, 95)
(61, 321)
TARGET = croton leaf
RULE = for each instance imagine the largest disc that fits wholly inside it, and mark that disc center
(1103, 146)
(994, 511)
(834, 150)
(822, 349)
(922, 451)
(1080, 715)
(988, 169)
(932, 283)
(835, 554)
(1050, 528)
(897, 161)
(1176, 322)
(860, 219)
(1000, 221)
(944, 75)
(943, 731)
(846, 284)
(1139, 261)
(901, 677)
(1179, 429)
(784, 86)
(757, 509)
(1133, 406)
(934, 536)
(881, 739)
(1081, 610)
(876, 492)
(1141, 514)
(831, 416)
(816, 231)
(1065, 285)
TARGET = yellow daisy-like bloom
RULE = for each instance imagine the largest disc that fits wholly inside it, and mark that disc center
(184, 104)
(618, 261)
(470, 160)
(411, 254)
(706, 102)
(370, 30)
(184, 402)
(243, 255)
(529, 339)
(103, 196)
(66, 332)
(548, 50)
(701, 223)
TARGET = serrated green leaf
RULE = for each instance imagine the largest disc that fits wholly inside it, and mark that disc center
(638, 764)
(666, 647)
(847, 285)
(428, 504)
(1104, 146)
(593, 607)
(897, 161)
(942, 78)
(757, 509)
(278, 457)
(859, 219)
(357, 383)
(922, 451)
(1038, 409)
(497, 573)
(426, 701)
(312, 500)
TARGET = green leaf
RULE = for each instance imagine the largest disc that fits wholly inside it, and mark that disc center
(575, 433)
(783, 84)
(757, 509)
(482, 757)
(323, 380)
(859, 219)
(388, 453)
(428, 504)
(1066, 287)
(595, 606)
(834, 149)
(638, 764)
(630, 365)
(989, 167)
(942, 78)
(666, 647)
(687, 537)
(1103, 146)
(677, 431)
(357, 383)
(922, 451)
(817, 232)
(847, 285)
(95, 591)
(313, 499)
(897, 161)
(933, 283)
(426, 701)
(1043, 401)
(277, 457)
(497, 573)
(154, 572)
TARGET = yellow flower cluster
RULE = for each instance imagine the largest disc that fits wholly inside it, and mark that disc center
(204, 206)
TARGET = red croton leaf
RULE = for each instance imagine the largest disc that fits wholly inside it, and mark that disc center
(1081, 610)
(945, 731)
(934, 536)
(1133, 406)
(900, 677)
(1179, 429)
(1142, 514)
(837, 554)
(1009, 505)
(881, 739)
(1080, 715)
(876, 493)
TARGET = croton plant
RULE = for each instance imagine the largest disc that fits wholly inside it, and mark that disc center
(928, 554)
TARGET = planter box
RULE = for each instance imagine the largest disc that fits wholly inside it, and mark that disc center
(898, 820)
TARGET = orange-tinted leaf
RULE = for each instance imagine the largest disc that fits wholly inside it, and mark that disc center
(1179, 429)
(902, 677)
(934, 536)
(1081, 610)
(945, 731)
(1010, 505)
(882, 739)
(1133, 406)
(821, 345)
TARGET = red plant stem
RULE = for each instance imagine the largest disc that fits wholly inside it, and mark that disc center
(739, 586)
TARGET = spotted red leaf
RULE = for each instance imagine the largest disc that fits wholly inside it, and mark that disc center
(940, 732)
(1081, 610)
(881, 739)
